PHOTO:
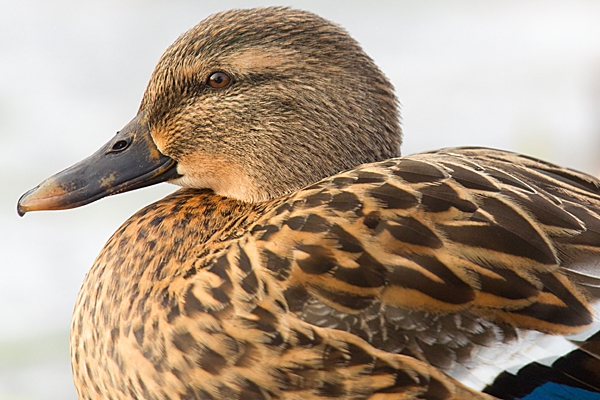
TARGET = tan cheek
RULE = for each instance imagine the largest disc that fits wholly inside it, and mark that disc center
(158, 137)
(225, 177)
(199, 166)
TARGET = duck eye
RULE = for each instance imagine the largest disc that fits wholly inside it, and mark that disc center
(218, 80)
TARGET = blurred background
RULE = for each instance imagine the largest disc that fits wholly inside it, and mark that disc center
(516, 75)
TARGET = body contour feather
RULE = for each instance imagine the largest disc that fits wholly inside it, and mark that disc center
(374, 252)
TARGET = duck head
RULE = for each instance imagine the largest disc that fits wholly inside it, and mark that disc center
(251, 104)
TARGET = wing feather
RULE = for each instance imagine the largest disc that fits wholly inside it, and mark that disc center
(423, 243)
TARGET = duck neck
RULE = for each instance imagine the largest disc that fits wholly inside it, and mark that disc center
(143, 271)
(174, 226)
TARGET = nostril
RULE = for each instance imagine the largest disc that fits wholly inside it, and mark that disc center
(120, 145)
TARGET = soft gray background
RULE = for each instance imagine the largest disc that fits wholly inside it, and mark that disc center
(518, 75)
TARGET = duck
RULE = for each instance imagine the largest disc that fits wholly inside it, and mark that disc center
(304, 257)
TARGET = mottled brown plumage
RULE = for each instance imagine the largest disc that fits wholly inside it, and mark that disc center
(275, 275)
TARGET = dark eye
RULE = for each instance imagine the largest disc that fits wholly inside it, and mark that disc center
(218, 80)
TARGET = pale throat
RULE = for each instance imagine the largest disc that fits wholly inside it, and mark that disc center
(223, 176)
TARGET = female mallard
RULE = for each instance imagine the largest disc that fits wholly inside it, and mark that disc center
(273, 274)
